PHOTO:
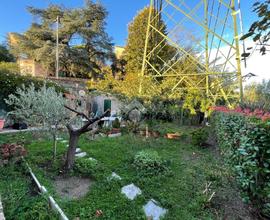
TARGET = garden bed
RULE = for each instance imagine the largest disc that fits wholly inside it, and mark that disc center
(182, 191)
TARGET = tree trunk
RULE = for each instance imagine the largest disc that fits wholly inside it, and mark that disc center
(74, 135)
(73, 143)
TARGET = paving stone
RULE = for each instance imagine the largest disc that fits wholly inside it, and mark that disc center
(114, 176)
(151, 209)
(114, 135)
(80, 155)
(131, 191)
(78, 150)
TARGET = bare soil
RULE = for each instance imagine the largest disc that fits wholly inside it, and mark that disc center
(72, 187)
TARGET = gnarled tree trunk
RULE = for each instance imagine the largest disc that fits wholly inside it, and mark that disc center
(73, 143)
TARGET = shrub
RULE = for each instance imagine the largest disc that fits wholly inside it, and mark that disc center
(199, 136)
(149, 163)
(86, 166)
(246, 145)
(116, 123)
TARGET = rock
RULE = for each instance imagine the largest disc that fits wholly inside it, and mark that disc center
(80, 155)
(59, 139)
(135, 115)
(131, 191)
(154, 211)
(64, 141)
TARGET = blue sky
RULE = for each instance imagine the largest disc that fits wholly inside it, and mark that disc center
(15, 18)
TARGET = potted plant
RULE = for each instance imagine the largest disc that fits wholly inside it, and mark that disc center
(116, 126)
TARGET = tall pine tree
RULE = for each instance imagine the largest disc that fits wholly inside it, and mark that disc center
(136, 42)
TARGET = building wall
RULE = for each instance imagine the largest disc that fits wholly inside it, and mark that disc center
(30, 67)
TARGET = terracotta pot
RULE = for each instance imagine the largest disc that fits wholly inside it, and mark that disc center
(173, 136)
(2, 122)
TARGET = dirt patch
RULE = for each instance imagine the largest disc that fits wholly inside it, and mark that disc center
(228, 200)
(72, 187)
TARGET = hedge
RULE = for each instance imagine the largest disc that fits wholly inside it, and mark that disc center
(245, 142)
(10, 82)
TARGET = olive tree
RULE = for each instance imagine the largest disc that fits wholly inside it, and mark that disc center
(43, 108)
(47, 108)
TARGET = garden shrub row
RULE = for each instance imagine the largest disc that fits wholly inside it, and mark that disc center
(245, 142)
(10, 82)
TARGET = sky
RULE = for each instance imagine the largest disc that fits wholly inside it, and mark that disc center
(14, 17)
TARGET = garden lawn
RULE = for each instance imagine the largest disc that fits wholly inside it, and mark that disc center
(180, 190)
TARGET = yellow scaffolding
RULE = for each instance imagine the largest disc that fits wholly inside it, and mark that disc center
(202, 33)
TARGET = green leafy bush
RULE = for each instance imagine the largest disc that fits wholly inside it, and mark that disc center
(199, 136)
(246, 145)
(116, 123)
(149, 163)
(87, 167)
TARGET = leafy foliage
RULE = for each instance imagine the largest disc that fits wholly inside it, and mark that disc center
(5, 55)
(149, 163)
(136, 42)
(259, 30)
(43, 107)
(257, 95)
(199, 136)
(116, 123)
(246, 146)
(87, 167)
(81, 59)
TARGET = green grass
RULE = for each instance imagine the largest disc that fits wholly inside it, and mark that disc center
(180, 191)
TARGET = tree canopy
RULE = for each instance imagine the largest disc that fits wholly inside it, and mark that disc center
(5, 55)
(136, 42)
(259, 30)
(84, 45)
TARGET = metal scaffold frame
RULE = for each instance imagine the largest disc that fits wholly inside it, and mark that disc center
(211, 29)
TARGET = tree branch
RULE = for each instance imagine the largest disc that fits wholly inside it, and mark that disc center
(78, 113)
(90, 120)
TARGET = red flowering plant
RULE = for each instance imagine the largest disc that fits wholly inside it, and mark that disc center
(12, 152)
(257, 113)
